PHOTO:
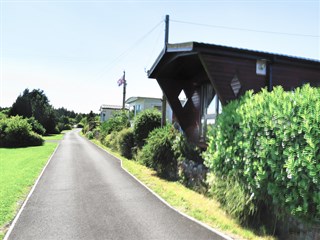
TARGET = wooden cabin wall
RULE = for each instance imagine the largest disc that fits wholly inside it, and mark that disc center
(291, 76)
(188, 116)
(222, 70)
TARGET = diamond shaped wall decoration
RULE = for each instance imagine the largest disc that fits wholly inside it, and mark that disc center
(235, 85)
(183, 98)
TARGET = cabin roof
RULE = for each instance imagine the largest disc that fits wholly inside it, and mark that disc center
(197, 47)
(133, 99)
(110, 107)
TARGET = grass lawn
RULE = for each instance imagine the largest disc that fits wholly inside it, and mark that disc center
(54, 136)
(19, 168)
(204, 209)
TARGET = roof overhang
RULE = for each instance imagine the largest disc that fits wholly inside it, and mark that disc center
(219, 50)
(228, 72)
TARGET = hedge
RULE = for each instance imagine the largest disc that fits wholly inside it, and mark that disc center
(270, 143)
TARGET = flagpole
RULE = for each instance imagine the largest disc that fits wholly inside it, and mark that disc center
(124, 90)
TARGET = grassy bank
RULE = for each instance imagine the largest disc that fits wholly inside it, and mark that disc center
(20, 167)
(204, 209)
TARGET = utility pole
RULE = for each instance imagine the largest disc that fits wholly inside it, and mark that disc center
(164, 98)
(166, 35)
(124, 90)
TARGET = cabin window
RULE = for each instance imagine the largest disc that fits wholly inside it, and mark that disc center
(103, 117)
(210, 108)
(138, 108)
(157, 107)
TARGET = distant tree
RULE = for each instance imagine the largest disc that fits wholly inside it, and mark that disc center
(22, 105)
(66, 118)
(90, 122)
(78, 118)
(91, 116)
(35, 104)
(50, 121)
(65, 112)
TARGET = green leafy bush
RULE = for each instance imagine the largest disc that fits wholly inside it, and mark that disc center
(111, 141)
(157, 153)
(80, 125)
(126, 142)
(17, 132)
(62, 126)
(144, 123)
(270, 143)
(185, 150)
(36, 126)
(89, 135)
(118, 121)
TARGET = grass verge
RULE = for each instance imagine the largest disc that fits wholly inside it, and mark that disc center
(198, 206)
(54, 136)
(20, 167)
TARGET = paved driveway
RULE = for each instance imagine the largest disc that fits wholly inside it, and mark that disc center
(85, 194)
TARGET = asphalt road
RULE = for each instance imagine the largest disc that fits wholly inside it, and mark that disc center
(85, 194)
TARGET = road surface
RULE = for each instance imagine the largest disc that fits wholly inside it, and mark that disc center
(85, 194)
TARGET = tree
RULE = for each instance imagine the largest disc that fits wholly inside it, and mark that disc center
(60, 112)
(90, 122)
(22, 105)
(35, 104)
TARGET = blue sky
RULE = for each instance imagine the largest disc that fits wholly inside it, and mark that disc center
(77, 50)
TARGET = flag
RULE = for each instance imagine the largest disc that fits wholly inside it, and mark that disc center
(121, 81)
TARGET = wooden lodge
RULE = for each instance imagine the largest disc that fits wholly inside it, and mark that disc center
(203, 71)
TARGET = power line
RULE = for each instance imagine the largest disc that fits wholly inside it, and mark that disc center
(157, 1)
(244, 29)
(128, 50)
(151, 54)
